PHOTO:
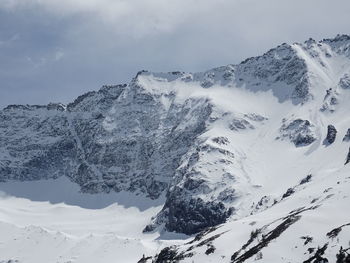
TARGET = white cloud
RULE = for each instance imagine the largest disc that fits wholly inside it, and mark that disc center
(140, 18)
(7, 42)
(134, 17)
(59, 54)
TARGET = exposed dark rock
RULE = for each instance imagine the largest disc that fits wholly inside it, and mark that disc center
(348, 157)
(306, 179)
(203, 233)
(303, 140)
(331, 134)
(299, 131)
(170, 255)
(189, 216)
(338, 38)
(221, 140)
(289, 192)
(317, 258)
(211, 249)
(144, 259)
(263, 239)
(343, 256)
(237, 257)
(240, 124)
(209, 240)
(347, 136)
(334, 233)
(193, 216)
(206, 242)
(192, 184)
(253, 235)
(307, 239)
(263, 203)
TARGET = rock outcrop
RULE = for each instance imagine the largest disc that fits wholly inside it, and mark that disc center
(298, 131)
(331, 134)
(348, 157)
(344, 82)
(347, 136)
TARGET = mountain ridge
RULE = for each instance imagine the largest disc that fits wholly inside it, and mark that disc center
(310, 41)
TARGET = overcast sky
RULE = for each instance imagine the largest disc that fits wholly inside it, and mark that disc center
(55, 50)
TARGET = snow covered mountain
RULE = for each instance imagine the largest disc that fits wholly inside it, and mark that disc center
(253, 157)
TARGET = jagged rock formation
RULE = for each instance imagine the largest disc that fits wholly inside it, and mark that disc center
(331, 134)
(298, 131)
(343, 256)
(191, 138)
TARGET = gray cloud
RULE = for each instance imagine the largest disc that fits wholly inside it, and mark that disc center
(54, 50)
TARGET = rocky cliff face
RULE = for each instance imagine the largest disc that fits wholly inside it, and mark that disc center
(181, 136)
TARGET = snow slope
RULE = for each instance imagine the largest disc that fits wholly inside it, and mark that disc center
(46, 222)
(292, 230)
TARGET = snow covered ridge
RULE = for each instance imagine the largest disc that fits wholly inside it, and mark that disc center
(209, 144)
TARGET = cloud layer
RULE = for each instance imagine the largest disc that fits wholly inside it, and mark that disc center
(53, 50)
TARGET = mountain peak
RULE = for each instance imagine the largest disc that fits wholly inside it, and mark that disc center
(338, 38)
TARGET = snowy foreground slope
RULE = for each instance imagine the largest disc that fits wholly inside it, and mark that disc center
(240, 163)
